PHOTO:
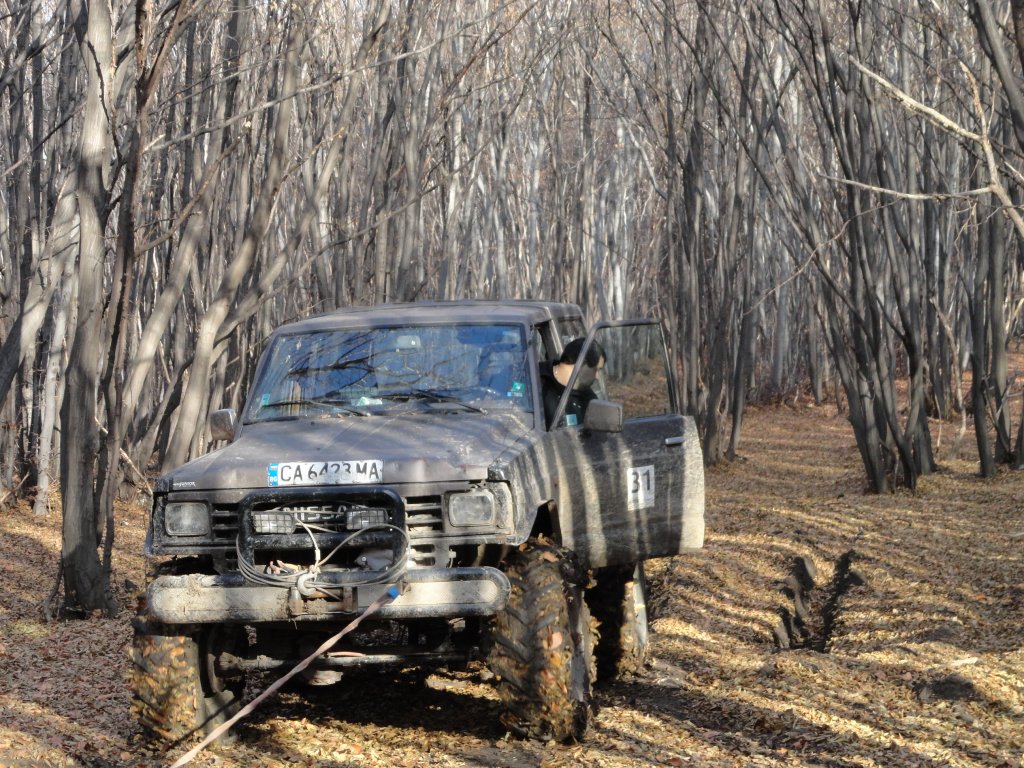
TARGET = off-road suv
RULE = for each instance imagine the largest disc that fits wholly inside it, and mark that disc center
(397, 458)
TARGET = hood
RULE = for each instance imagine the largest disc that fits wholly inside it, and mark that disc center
(412, 448)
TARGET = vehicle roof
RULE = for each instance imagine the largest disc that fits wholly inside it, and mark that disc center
(425, 312)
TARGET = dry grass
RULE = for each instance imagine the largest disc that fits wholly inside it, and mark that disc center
(924, 663)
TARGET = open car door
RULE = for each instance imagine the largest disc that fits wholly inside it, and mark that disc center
(630, 487)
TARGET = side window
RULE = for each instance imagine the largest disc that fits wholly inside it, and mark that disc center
(550, 337)
(569, 329)
(635, 371)
(542, 343)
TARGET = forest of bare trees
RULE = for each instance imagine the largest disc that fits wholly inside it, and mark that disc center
(820, 198)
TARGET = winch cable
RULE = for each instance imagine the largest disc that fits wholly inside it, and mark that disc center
(390, 594)
(316, 547)
(385, 575)
(288, 580)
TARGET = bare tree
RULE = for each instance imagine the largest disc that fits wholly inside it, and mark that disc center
(86, 583)
(799, 189)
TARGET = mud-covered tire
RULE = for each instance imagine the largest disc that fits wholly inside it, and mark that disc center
(542, 652)
(619, 604)
(174, 692)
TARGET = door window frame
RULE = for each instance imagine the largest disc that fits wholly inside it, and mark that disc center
(556, 423)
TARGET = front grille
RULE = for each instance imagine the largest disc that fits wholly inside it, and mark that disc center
(291, 525)
(287, 517)
(425, 525)
(225, 525)
(326, 518)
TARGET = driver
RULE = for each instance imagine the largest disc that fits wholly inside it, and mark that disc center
(554, 377)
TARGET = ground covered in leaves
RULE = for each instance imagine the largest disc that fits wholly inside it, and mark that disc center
(907, 650)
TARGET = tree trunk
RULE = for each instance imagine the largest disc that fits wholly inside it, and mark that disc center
(86, 582)
(52, 391)
(980, 348)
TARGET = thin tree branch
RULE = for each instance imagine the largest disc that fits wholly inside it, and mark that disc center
(931, 114)
(936, 196)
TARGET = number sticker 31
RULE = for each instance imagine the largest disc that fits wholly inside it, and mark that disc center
(640, 486)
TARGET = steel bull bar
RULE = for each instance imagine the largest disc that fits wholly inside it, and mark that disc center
(425, 592)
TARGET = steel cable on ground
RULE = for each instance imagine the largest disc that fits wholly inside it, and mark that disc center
(390, 594)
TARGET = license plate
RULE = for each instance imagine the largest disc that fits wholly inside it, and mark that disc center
(325, 472)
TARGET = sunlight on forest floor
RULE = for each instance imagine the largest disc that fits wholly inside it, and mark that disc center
(911, 654)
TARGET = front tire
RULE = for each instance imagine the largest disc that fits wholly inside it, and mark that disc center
(176, 690)
(543, 646)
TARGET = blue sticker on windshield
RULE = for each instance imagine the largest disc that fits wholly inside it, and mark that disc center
(518, 389)
(265, 400)
(570, 419)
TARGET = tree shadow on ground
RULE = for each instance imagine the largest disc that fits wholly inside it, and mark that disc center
(740, 729)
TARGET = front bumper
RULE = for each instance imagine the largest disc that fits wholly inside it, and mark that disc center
(425, 592)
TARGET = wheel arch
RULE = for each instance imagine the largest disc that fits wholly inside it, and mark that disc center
(545, 522)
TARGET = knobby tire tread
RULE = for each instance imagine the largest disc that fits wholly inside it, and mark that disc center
(171, 700)
(167, 698)
(534, 653)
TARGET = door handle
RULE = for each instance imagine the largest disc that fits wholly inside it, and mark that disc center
(673, 441)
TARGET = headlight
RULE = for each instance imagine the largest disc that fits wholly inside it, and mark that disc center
(475, 508)
(186, 518)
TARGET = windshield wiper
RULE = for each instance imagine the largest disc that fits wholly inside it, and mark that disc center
(426, 394)
(342, 404)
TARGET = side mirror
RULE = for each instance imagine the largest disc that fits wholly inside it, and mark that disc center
(222, 424)
(603, 416)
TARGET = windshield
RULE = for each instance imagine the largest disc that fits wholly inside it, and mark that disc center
(366, 371)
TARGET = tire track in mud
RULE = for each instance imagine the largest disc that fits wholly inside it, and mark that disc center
(812, 616)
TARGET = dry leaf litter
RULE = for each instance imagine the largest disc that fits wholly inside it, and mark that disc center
(907, 650)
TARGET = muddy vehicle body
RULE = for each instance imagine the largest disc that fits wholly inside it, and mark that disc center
(396, 460)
